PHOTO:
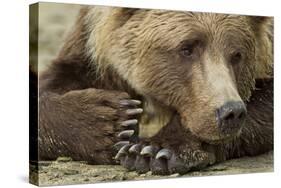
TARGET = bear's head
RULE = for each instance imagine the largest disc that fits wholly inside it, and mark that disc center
(200, 65)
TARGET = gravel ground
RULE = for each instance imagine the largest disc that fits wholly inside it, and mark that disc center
(54, 22)
(65, 171)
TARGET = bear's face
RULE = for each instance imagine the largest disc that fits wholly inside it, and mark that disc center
(194, 63)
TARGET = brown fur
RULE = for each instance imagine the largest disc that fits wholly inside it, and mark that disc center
(259, 124)
(117, 50)
(139, 48)
(74, 120)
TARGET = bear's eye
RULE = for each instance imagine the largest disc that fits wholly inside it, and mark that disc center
(187, 51)
(189, 48)
(236, 58)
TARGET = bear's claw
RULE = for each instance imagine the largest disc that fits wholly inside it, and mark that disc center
(128, 128)
(129, 122)
(144, 158)
(149, 151)
(135, 111)
(164, 154)
(120, 144)
(130, 102)
(137, 155)
(129, 125)
(122, 152)
(126, 134)
(135, 149)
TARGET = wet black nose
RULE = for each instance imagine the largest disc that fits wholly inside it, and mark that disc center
(231, 116)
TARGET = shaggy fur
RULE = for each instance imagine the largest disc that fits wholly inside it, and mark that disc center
(118, 53)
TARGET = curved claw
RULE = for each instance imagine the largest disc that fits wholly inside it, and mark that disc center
(129, 102)
(164, 154)
(126, 134)
(129, 122)
(134, 111)
(118, 156)
(148, 151)
(120, 144)
(123, 151)
(135, 149)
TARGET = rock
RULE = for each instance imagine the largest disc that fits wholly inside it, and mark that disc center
(175, 175)
(63, 159)
(44, 163)
(71, 172)
(148, 173)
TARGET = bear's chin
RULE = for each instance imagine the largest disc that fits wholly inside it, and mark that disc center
(213, 137)
(222, 140)
(219, 140)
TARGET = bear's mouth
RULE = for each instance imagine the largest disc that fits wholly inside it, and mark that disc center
(224, 139)
(156, 116)
(210, 134)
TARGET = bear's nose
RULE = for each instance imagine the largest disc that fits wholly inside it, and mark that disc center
(231, 116)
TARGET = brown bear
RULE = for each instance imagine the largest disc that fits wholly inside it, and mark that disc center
(182, 90)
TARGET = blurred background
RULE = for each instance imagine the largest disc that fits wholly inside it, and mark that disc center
(54, 22)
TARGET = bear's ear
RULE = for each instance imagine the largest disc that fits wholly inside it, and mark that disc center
(122, 15)
(259, 21)
(263, 28)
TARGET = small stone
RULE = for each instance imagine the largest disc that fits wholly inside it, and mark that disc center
(123, 178)
(56, 175)
(175, 175)
(149, 173)
(64, 159)
(44, 163)
(71, 172)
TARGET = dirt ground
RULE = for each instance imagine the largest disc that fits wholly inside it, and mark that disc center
(65, 171)
(55, 20)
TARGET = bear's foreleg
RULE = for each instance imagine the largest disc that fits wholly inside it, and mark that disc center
(84, 124)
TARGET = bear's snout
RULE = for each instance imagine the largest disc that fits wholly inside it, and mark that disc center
(231, 116)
